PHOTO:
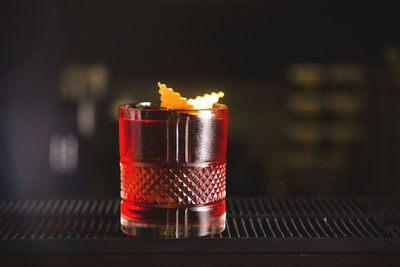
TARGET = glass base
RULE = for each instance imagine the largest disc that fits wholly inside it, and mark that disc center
(170, 223)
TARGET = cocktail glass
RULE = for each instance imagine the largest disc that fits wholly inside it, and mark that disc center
(172, 170)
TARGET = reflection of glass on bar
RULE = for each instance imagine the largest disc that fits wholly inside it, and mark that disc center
(172, 170)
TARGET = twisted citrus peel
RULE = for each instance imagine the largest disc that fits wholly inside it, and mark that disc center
(171, 99)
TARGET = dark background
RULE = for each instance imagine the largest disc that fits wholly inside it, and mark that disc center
(313, 89)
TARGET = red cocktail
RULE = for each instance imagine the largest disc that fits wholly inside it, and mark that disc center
(172, 170)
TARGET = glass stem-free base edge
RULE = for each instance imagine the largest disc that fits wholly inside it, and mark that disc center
(170, 223)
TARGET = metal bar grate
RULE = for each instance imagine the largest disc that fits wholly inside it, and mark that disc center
(247, 218)
(263, 219)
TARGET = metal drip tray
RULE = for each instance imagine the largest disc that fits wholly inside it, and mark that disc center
(254, 225)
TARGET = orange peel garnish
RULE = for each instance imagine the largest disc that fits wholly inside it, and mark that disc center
(205, 101)
(171, 99)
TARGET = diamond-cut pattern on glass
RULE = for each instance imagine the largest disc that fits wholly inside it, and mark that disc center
(177, 186)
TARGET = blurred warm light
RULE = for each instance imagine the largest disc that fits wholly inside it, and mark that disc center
(344, 102)
(345, 73)
(308, 105)
(342, 132)
(84, 82)
(305, 73)
(309, 133)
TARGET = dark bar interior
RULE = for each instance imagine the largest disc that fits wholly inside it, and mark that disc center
(313, 90)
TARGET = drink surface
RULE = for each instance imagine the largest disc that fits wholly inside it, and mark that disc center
(173, 160)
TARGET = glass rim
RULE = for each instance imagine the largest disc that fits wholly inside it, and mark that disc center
(124, 106)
